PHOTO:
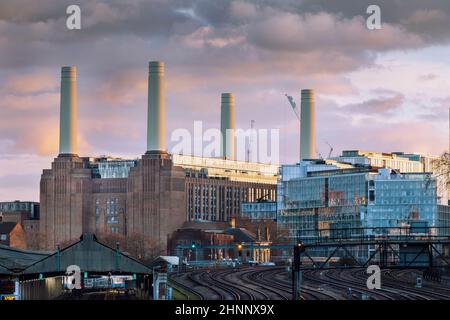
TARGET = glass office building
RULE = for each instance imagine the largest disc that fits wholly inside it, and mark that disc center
(395, 200)
(318, 202)
(260, 210)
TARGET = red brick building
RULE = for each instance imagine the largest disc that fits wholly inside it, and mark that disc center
(12, 235)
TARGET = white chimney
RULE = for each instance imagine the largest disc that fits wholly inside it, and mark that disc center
(227, 126)
(156, 114)
(68, 112)
(307, 125)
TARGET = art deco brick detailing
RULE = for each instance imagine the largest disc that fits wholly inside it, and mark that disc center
(65, 196)
(68, 111)
(155, 199)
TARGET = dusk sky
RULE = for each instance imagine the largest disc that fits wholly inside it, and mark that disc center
(381, 90)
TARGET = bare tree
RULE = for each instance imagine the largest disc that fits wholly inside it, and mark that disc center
(441, 167)
(136, 245)
(36, 240)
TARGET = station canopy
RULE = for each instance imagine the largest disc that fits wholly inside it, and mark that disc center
(91, 256)
(14, 260)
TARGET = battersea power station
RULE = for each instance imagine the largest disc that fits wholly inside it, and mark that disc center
(153, 196)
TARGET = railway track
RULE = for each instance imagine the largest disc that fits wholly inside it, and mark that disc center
(273, 278)
(262, 283)
(243, 284)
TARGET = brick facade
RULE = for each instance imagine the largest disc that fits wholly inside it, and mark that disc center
(154, 200)
(65, 201)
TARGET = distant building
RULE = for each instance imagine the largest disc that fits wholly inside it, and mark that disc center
(29, 208)
(216, 188)
(196, 238)
(396, 160)
(12, 235)
(259, 210)
(404, 162)
(79, 195)
(444, 216)
(260, 218)
(26, 213)
(213, 190)
(151, 196)
(227, 243)
(316, 202)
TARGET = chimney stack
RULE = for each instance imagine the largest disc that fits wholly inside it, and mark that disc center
(307, 125)
(68, 112)
(156, 114)
(227, 126)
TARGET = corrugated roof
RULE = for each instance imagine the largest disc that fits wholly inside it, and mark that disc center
(17, 259)
(4, 270)
(89, 255)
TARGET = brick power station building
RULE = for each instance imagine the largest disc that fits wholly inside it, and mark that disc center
(152, 196)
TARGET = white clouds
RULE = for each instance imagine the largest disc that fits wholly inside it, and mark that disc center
(31, 83)
(243, 10)
(257, 49)
(323, 31)
(380, 106)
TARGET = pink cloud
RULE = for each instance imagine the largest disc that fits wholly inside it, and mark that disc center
(31, 83)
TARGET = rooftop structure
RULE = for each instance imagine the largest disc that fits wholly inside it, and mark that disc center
(31, 208)
(230, 169)
(404, 162)
(105, 167)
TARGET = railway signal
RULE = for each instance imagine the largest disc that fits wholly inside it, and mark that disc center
(240, 247)
(299, 248)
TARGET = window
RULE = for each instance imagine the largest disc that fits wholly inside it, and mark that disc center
(112, 219)
(3, 237)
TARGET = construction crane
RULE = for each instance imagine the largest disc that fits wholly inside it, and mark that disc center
(331, 149)
(293, 105)
(295, 109)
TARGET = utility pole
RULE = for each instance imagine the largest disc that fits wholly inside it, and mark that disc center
(299, 248)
